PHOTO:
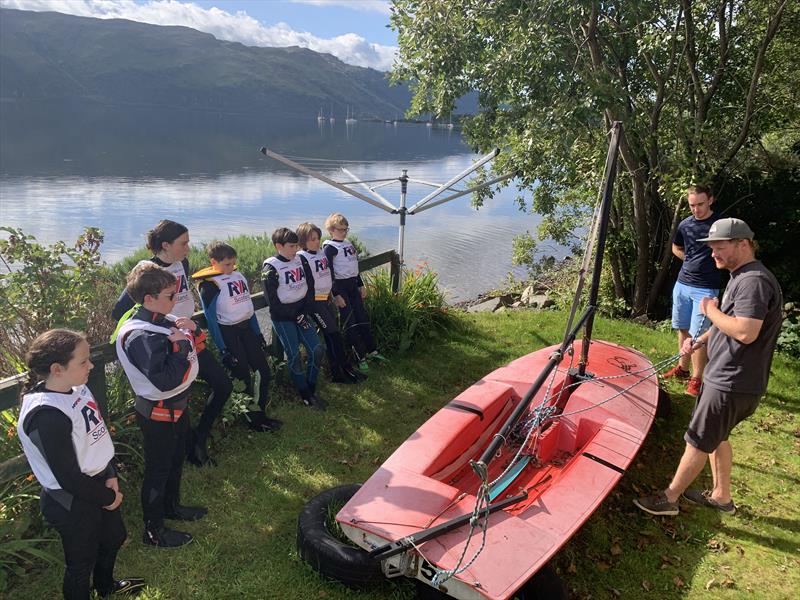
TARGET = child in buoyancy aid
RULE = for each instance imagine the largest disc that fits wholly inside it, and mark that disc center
(70, 451)
(289, 289)
(309, 238)
(233, 325)
(349, 291)
(169, 243)
(157, 352)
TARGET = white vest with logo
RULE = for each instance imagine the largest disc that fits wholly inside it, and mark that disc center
(292, 284)
(141, 385)
(233, 303)
(345, 263)
(321, 271)
(184, 301)
(90, 437)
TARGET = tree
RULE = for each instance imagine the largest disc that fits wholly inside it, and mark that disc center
(552, 76)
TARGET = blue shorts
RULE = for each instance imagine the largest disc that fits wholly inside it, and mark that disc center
(686, 308)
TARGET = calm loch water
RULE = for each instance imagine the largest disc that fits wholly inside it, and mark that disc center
(62, 170)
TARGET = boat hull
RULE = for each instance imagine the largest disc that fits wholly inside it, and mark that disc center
(579, 458)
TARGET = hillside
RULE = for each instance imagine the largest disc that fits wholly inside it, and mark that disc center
(56, 57)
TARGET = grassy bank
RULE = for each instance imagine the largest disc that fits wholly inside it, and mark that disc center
(245, 546)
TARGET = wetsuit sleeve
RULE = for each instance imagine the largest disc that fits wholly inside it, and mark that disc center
(152, 353)
(330, 251)
(209, 293)
(51, 431)
(123, 305)
(359, 280)
(308, 301)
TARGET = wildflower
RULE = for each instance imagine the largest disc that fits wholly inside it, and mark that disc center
(12, 431)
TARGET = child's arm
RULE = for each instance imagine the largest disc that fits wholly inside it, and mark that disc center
(209, 294)
(331, 251)
(152, 353)
(123, 305)
(308, 301)
(51, 432)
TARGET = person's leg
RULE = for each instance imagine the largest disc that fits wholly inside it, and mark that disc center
(288, 333)
(79, 529)
(700, 324)
(685, 360)
(334, 344)
(315, 352)
(362, 319)
(721, 466)
(691, 465)
(158, 443)
(112, 536)
(681, 321)
(221, 387)
(175, 457)
(235, 346)
(348, 320)
(257, 361)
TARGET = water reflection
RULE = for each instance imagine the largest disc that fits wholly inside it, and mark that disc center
(205, 171)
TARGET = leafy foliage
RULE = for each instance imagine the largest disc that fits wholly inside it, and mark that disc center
(789, 338)
(552, 77)
(417, 312)
(19, 519)
(51, 286)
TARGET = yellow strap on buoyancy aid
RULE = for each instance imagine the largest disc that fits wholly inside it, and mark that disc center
(122, 321)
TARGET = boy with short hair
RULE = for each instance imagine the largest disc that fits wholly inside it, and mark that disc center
(157, 352)
(349, 291)
(309, 237)
(233, 325)
(289, 289)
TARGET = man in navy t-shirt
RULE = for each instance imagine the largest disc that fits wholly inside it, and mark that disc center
(699, 278)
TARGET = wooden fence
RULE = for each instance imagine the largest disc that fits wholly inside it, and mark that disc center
(103, 354)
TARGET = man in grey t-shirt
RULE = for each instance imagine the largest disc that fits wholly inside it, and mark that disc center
(741, 343)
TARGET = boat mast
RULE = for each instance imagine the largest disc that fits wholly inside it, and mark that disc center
(602, 231)
(481, 465)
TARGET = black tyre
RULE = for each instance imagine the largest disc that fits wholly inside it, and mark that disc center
(664, 404)
(544, 585)
(328, 555)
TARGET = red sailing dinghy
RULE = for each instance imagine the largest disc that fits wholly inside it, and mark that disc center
(483, 494)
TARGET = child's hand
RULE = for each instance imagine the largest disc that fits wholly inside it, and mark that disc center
(363, 291)
(339, 301)
(302, 321)
(117, 501)
(177, 335)
(185, 323)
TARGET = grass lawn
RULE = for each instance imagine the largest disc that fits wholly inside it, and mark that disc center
(245, 547)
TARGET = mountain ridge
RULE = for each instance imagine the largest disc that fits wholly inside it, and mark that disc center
(51, 56)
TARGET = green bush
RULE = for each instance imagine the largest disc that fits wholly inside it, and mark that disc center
(417, 312)
(789, 338)
(51, 286)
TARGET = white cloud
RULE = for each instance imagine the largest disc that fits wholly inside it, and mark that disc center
(237, 27)
(380, 6)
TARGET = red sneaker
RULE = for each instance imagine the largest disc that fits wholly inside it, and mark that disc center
(693, 387)
(676, 372)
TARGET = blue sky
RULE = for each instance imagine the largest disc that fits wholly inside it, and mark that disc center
(353, 30)
(324, 20)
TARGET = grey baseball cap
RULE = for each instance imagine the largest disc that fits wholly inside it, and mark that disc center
(728, 229)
